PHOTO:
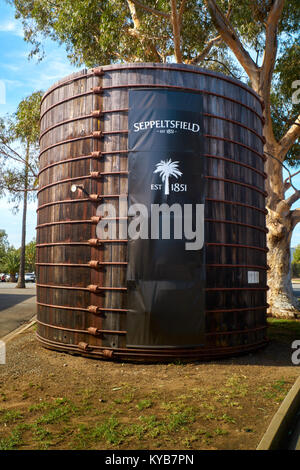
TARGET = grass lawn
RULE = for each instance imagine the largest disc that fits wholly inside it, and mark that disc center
(51, 400)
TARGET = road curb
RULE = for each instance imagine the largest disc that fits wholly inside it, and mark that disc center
(19, 330)
(277, 432)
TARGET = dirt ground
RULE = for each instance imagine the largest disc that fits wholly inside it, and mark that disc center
(51, 400)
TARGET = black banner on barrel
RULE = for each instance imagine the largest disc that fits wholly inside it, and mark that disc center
(166, 266)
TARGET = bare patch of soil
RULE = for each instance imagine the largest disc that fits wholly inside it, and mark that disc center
(51, 400)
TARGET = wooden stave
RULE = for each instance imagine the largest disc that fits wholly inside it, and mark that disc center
(251, 158)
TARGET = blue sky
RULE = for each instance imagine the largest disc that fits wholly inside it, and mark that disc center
(22, 77)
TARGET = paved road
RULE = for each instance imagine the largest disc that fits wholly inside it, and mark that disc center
(296, 289)
(17, 306)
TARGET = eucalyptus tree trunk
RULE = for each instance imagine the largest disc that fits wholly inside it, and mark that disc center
(281, 219)
(21, 280)
(280, 223)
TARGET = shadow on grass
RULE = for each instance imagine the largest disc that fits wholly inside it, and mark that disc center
(278, 352)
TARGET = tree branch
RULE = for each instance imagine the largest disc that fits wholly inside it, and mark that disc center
(223, 65)
(229, 11)
(230, 37)
(206, 50)
(267, 68)
(137, 33)
(271, 41)
(287, 181)
(293, 198)
(181, 10)
(295, 217)
(17, 158)
(151, 10)
(288, 140)
(8, 155)
(176, 31)
(133, 13)
(5, 144)
(284, 206)
(14, 190)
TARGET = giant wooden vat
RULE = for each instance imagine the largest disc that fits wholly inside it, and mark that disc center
(81, 281)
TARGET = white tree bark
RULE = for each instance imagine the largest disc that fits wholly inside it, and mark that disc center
(280, 223)
(282, 302)
(281, 220)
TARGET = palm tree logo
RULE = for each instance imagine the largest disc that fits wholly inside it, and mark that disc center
(167, 168)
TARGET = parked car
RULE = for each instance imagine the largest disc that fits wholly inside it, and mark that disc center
(29, 277)
(2, 277)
